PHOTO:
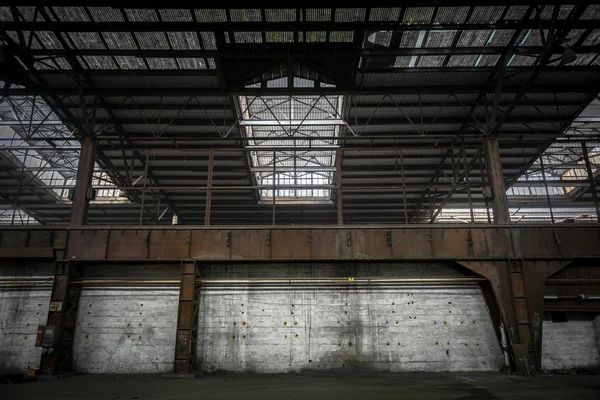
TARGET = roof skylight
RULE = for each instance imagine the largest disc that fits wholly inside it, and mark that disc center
(308, 124)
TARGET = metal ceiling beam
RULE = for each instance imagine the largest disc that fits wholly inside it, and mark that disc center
(195, 72)
(593, 85)
(361, 106)
(181, 26)
(207, 123)
(422, 51)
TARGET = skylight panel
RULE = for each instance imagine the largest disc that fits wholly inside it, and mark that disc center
(191, 63)
(130, 62)
(211, 15)
(474, 38)
(488, 60)
(71, 14)
(350, 14)
(486, 14)
(280, 37)
(462, 60)
(87, 40)
(440, 38)
(119, 40)
(341, 36)
(5, 14)
(384, 14)
(106, 14)
(285, 133)
(431, 61)
(318, 14)
(141, 15)
(161, 63)
(451, 15)
(315, 37)
(591, 12)
(418, 15)
(402, 61)
(100, 62)
(500, 37)
(247, 37)
(208, 40)
(280, 15)
(516, 12)
(409, 39)
(175, 15)
(152, 40)
(245, 15)
(49, 40)
(184, 40)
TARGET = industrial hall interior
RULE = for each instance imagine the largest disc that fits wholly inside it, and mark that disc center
(384, 199)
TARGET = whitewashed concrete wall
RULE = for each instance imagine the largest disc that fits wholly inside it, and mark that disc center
(22, 309)
(407, 328)
(126, 329)
(570, 344)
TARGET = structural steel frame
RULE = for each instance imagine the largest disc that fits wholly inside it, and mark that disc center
(515, 260)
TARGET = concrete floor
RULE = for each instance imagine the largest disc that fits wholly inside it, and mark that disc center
(371, 386)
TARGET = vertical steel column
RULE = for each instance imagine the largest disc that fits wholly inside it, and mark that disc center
(85, 170)
(590, 173)
(273, 220)
(338, 185)
(143, 205)
(545, 183)
(403, 186)
(62, 318)
(209, 182)
(483, 186)
(466, 177)
(187, 320)
(496, 180)
(535, 274)
(16, 203)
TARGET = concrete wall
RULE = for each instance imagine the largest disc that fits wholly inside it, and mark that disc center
(570, 344)
(597, 331)
(126, 329)
(22, 309)
(383, 328)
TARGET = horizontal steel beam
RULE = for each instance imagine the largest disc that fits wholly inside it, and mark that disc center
(180, 26)
(261, 52)
(417, 120)
(291, 122)
(199, 72)
(369, 91)
(26, 122)
(294, 243)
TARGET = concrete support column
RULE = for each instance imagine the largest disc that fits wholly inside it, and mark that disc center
(187, 320)
(82, 194)
(496, 181)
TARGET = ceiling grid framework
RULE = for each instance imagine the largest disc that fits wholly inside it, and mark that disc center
(411, 87)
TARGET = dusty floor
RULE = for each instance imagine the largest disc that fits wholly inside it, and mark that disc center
(309, 386)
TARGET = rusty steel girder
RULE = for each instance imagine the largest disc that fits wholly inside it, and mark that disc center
(515, 260)
(410, 243)
(475, 242)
